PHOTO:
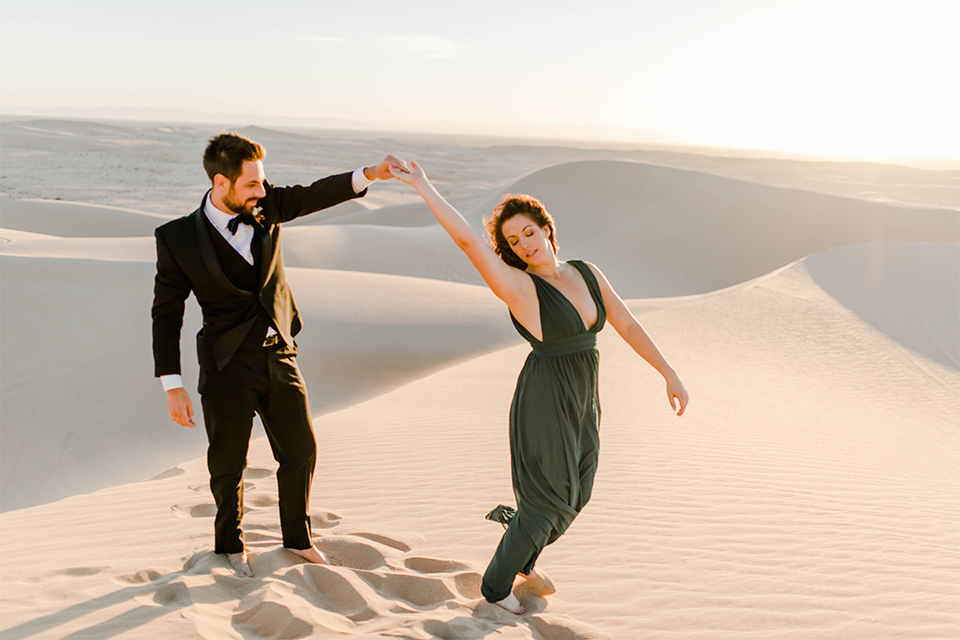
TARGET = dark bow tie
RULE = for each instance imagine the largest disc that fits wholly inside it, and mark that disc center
(237, 220)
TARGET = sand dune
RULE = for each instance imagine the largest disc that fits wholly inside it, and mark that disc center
(892, 287)
(694, 232)
(810, 492)
(657, 231)
(76, 350)
(25, 244)
(92, 274)
(811, 486)
(804, 495)
(76, 359)
(76, 219)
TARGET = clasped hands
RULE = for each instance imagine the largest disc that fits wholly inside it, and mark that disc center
(385, 170)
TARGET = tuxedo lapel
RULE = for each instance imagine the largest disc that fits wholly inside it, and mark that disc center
(209, 254)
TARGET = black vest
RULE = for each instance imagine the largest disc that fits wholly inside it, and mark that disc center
(242, 275)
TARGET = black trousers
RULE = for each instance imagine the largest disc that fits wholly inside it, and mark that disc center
(266, 381)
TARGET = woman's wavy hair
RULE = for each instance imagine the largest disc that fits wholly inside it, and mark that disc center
(514, 204)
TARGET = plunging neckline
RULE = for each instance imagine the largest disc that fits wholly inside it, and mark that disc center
(570, 302)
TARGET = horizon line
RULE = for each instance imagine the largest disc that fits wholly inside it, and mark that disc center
(620, 137)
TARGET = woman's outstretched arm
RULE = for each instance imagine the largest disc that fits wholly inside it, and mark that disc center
(630, 330)
(505, 281)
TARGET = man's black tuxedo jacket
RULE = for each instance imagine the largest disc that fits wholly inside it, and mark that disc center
(187, 261)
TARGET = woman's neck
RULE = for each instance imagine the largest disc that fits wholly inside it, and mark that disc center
(549, 270)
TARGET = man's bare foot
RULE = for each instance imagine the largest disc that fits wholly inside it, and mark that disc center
(536, 584)
(312, 554)
(240, 563)
(511, 604)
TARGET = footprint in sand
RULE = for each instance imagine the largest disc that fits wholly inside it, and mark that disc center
(376, 591)
(254, 473)
(564, 628)
(330, 589)
(201, 562)
(169, 473)
(256, 537)
(324, 520)
(419, 591)
(204, 510)
(80, 572)
(458, 629)
(261, 501)
(144, 576)
(468, 584)
(350, 553)
(209, 510)
(171, 594)
(270, 620)
(384, 540)
(432, 565)
(203, 488)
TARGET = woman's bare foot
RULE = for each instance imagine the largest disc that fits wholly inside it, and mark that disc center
(240, 563)
(536, 584)
(511, 604)
(312, 554)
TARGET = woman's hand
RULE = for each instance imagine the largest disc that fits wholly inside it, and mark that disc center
(677, 394)
(415, 177)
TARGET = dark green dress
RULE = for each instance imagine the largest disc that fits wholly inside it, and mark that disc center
(554, 436)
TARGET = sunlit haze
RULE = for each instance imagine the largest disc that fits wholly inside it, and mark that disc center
(845, 77)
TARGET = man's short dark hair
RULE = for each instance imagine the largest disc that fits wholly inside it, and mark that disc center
(226, 154)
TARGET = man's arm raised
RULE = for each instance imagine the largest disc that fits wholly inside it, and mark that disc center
(299, 200)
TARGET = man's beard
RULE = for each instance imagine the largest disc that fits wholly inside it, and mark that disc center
(240, 208)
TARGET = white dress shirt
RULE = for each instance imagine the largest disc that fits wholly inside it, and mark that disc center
(241, 242)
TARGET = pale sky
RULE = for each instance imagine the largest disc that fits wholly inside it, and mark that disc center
(871, 78)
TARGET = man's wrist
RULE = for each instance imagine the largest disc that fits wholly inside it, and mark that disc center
(171, 381)
(361, 180)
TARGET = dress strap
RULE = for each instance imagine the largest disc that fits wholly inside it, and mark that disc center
(593, 286)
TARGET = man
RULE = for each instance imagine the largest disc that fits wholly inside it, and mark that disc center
(227, 253)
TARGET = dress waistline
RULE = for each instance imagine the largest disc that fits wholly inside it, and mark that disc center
(566, 346)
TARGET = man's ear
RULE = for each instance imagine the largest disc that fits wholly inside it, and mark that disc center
(221, 184)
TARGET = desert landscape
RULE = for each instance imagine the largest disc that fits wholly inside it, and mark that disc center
(811, 307)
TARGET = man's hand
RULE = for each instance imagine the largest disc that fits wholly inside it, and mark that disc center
(383, 170)
(180, 407)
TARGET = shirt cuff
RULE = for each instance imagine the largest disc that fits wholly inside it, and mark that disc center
(360, 181)
(171, 381)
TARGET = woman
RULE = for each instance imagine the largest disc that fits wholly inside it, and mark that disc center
(558, 307)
